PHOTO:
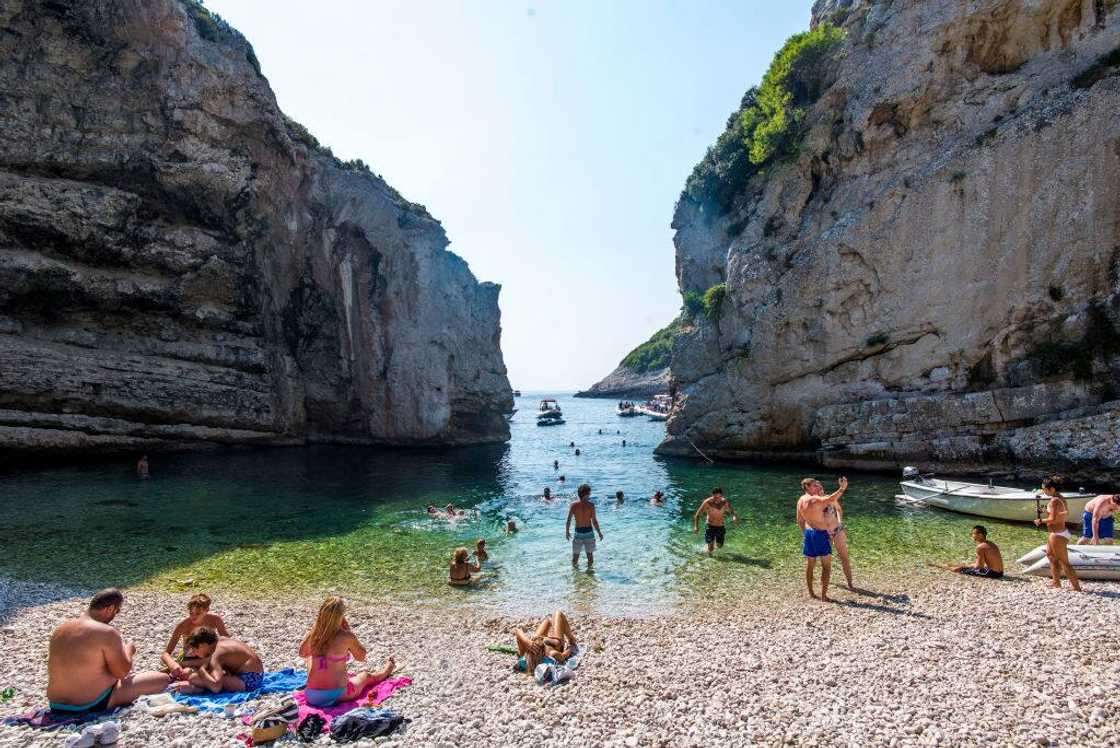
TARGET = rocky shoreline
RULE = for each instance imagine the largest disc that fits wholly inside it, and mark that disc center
(922, 660)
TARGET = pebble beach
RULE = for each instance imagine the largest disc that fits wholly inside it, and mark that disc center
(932, 659)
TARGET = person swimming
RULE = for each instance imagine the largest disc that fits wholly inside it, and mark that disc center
(461, 568)
(577, 451)
(658, 498)
(619, 497)
(511, 527)
(556, 464)
(547, 495)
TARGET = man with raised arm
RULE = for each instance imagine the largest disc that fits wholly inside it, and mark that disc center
(587, 524)
(814, 517)
(714, 507)
(89, 665)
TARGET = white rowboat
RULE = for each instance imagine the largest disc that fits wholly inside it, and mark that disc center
(998, 502)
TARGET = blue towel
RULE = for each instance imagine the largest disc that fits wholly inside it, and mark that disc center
(281, 681)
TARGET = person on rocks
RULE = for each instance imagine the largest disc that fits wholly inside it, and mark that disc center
(231, 665)
(834, 521)
(459, 573)
(198, 614)
(551, 644)
(813, 512)
(658, 499)
(329, 645)
(142, 470)
(89, 665)
(1097, 520)
(1057, 542)
(713, 508)
(989, 561)
(587, 525)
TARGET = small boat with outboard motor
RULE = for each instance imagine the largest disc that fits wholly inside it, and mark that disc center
(549, 413)
(997, 502)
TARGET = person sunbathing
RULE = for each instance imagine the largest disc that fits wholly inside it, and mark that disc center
(230, 665)
(329, 645)
(461, 567)
(89, 665)
(552, 644)
(198, 614)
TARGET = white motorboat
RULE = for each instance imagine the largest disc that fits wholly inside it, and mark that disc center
(998, 502)
(1087, 565)
(627, 410)
(1039, 553)
(550, 421)
(657, 415)
(658, 408)
(549, 408)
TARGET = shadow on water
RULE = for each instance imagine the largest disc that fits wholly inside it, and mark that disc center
(739, 558)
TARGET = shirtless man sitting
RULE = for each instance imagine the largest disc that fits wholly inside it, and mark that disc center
(989, 561)
(814, 518)
(231, 665)
(1097, 520)
(198, 609)
(714, 508)
(587, 524)
(89, 663)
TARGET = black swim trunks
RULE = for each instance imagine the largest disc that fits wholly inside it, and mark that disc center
(986, 573)
(715, 535)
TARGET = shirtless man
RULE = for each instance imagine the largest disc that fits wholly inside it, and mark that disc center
(1097, 520)
(198, 614)
(89, 663)
(714, 507)
(989, 561)
(834, 523)
(587, 524)
(142, 471)
(547, 495)
(812, 511)
(231, 665)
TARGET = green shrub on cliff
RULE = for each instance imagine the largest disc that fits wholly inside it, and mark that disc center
(770, 120)
(692, 303)
(655, 353)
(713, 300)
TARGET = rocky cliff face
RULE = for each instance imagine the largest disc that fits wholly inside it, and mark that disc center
(180, 265)
(935, 278)
(624, 382)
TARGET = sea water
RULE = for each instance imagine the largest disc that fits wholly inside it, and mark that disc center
(352, 521)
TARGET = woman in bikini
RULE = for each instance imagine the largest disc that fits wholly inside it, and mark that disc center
(329, 646)
(461, 568)
(1057, 543)
(552, 644)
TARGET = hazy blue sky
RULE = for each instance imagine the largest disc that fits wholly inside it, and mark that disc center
(551, 139)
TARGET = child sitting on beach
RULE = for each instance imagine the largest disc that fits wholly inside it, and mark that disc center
(198, 614)
(461, 567)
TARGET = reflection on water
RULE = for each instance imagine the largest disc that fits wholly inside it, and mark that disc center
(354, 521)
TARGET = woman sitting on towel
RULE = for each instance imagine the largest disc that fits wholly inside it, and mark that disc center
(552, 644)
(329, 646)
(461, 568)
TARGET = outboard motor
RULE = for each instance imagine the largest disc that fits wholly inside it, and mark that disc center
(911, 473)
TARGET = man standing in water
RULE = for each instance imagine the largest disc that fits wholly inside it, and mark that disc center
(812, 511)
(714, 507)
(587, 524)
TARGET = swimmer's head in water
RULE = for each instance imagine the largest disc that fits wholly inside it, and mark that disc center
(618, 495)
(562, 478)
(511, 526)
(480, 544)
(547, 492)
(583, 491)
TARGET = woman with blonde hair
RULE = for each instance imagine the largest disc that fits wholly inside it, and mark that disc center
(461, 567)
(329, 646)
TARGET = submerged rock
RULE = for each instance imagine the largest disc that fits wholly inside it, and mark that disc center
(932, 276)
(182, 265)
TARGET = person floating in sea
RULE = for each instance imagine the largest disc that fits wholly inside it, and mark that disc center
(811, 518)
(198, 614)
(547, 495)
(1057, 542)
(461, 568)
(577, 452)
(714, 508)
(834, 522)
(624, 442)
(480, 554)
(89, 665)
(556, 464)
(587, 524)
(329, 645)
(600, 432)
(989, 561)
(658, 498)
(231, 665)
(619, 497)
(571, 444)
(1097, 520)
(432, 509)
(511, 527)
(142, 471)
(561, 479)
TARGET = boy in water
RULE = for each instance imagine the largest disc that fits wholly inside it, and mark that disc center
(713, 508)
(587, 524)
(480, 554)
(813, 517)
(198, 614)
(989, 562)
(230, 665)
(547, 495)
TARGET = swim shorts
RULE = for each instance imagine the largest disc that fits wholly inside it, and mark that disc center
(816, 543)
(972, 571)
(252, 681)
(583, 540)
(100, 704)
(715, 534)
(1104, 528)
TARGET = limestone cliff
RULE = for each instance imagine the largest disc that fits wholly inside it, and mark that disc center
(934, 277)
(181, 265)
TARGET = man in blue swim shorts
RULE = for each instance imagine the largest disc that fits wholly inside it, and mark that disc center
(1097, 520)
(813, 514)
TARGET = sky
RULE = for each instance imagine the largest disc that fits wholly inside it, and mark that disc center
(551, 139)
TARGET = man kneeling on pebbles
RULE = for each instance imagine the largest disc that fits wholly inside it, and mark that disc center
(230, 665)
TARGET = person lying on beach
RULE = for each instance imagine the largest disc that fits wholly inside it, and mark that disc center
(812, 512)
(989, 561)
(1057, 542)
(658, 498)
(552, 644)
(834, 523)
(461, 567)
(587, 524)
(230, 665)
(329, 645)
(480, 554)
(198, 614)
(547, 495)
(714, 508)
(89, 665)
(1097, 520)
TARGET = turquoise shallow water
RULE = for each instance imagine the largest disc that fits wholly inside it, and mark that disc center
(353, 520)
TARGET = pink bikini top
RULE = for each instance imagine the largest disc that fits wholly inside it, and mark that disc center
(320, 661)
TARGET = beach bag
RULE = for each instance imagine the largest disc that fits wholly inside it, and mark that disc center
(271, 723)
(365, 723)
(551, 675)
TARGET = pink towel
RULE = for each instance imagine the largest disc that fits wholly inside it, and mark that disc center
(370, 696)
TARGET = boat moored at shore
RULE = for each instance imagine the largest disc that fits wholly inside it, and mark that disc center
(978, 499)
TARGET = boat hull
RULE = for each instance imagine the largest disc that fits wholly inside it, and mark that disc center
(980, 501)
(1039, 553)
(550, 422)
(1086, 565)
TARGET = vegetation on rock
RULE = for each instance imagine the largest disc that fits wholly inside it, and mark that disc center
(655, 353)
(713, 300)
